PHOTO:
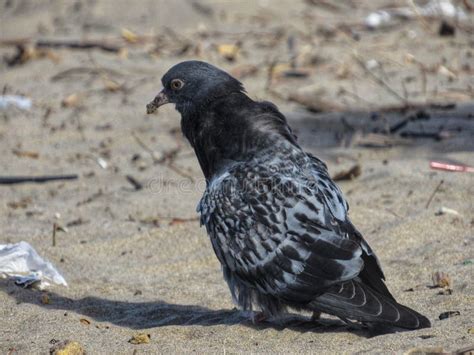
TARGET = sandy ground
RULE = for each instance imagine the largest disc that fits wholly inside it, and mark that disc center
(136, 260)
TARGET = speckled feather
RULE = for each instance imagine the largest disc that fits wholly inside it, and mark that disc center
(277, 222)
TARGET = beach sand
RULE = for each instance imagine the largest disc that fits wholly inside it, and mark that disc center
(136, 261)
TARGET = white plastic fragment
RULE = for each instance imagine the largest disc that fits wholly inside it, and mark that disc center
(446, 210)
(442, 8)
(21, 262)
(434, 9)
(21, 102)
(446, 72)
(102, 163)
(371, 64)
(378, 18)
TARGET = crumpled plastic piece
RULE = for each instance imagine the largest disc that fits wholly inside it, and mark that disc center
(21, 262)
(21, 102)
(434, 8)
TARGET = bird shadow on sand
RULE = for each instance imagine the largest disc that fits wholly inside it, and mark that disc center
(144, 315)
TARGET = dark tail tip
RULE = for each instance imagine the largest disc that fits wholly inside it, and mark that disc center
(354, 300)
(424, 322)
(410, 319)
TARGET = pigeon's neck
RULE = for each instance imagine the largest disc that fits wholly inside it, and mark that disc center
(233, 129)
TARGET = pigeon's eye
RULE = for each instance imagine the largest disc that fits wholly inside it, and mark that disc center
(177, 84)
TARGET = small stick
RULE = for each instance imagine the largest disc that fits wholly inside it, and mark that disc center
(9, 180)
(398, 126)
(405, 92)
(416, 106)
(271, 69)
(393, 212)
(419, 17)
(55, 227)
(379, 80)
(180, 172)
(134, 182)
(356, 96)
(434, 193)
(411, 134)
(84, 70)
(166, 160)
(142, 144)
(423, 79)
(78, 45)
(178, 220)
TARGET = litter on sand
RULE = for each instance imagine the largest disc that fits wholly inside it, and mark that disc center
(21, 262)
(21, 102)
(433, 9)
(445, 210)
(451, 167)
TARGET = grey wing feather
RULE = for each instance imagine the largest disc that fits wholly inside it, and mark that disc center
(372, 273)
(336, 203)
(278, 237)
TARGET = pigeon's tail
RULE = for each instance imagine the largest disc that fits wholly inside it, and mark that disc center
(353, 300)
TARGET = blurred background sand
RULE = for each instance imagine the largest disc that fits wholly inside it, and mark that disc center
(135, 259)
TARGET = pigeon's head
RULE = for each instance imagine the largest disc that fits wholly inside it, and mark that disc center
(193, 84)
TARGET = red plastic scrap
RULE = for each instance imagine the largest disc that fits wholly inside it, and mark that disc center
(451, 167)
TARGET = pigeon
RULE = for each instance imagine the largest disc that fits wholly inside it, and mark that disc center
(277, 222)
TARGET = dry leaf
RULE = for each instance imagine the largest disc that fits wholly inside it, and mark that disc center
(446, 72)
(23, 203)
(71, 100)
(85, 321)
(279, 69)
(441, 279)
(123, 53)
(409, 58)
(111, 85)
(350, 174)
(228, 51)
(244, 70)
(140, 338)
(54, 57)
(343, 71)
(25, 154)
(129, 36)
(178, 220)
(26, 53)
(67, 348)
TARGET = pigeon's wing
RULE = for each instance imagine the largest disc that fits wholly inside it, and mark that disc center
(372, 273)
(276, 233)
(337, 205)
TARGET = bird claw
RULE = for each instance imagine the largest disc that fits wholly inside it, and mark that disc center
(259, 318)
(316, 316)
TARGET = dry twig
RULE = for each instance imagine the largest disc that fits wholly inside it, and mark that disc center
(379, 80)
(9, 180)
(167, 159)
(434, 193)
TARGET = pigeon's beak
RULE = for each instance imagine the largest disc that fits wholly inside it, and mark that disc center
(159, 100)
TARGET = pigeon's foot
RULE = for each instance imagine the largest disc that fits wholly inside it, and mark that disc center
(259, 318)
(316, 316)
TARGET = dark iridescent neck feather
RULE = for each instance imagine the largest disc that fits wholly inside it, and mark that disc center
(231, 129)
